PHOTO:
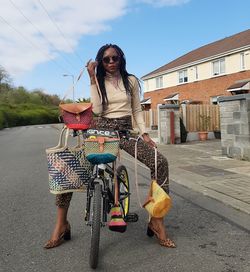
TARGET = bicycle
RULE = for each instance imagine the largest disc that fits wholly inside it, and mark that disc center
(100, 199)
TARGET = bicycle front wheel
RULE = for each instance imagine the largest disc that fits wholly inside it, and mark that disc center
(95, 226)
(124, 193)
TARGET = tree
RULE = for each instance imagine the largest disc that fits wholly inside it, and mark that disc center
(4, 76)
(46, 99)
(18, 95)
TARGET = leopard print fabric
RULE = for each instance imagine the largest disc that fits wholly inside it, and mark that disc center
(124, 123)
(145, 154)
(63, 200)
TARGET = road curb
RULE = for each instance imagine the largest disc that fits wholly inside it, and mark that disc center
(227, 200)
(227, 212)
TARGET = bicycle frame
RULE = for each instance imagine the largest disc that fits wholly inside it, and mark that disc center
(103, 174)
(101, 194)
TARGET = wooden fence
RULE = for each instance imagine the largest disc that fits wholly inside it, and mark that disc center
(151, 118)
(193, 116)
(197, 116)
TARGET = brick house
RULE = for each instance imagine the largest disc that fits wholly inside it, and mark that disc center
(221, 68)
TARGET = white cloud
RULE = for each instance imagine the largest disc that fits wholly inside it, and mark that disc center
(22, 46)
(161, 3)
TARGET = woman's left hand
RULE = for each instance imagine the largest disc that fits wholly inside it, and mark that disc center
(148, 140)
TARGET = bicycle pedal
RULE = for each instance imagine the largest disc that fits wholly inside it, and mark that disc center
(131, 217)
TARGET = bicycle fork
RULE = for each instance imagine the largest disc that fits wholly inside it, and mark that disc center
(106, 196)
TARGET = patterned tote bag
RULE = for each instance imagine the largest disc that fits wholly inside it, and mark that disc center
(68, 168)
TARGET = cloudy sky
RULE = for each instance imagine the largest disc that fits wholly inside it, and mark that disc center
(42, 40)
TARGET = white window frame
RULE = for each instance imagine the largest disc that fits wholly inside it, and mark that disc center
(214, 100)
(196, 72)
(242, 61)
(146, 84)
(159, 82)
(221, 67)
(183, 78)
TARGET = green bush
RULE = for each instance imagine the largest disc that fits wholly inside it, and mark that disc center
(27, 114)
(1, 120)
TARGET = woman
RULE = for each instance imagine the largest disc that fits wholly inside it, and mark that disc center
(115, 97)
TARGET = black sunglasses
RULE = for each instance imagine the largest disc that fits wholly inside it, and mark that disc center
(107, 59)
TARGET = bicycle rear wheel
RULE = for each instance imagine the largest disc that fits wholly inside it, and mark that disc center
(95, 226)
(124, 193)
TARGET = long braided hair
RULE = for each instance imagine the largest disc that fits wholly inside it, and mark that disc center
(101, 73)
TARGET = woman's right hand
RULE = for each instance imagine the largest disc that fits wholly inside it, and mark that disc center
(91, 65)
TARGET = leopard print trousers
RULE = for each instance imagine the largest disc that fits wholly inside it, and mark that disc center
(145, 154)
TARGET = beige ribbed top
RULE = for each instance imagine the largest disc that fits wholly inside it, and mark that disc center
(120, 104)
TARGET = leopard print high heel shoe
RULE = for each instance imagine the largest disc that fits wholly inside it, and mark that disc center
(151, 231)
(65, 236)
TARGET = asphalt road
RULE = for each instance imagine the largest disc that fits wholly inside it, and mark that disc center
(205, 241)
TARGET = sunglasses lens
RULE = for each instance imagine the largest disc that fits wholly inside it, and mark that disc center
(108, 59)
(115, 58)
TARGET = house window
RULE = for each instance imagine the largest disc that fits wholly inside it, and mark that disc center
(146, 85)
(183, 76)
(214, 100)
(218, 67)
(159, 82)
(242, 61)
(196, 72)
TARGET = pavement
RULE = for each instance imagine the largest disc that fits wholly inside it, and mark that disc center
(201, 167)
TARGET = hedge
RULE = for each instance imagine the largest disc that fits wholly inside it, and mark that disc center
(27, 114)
